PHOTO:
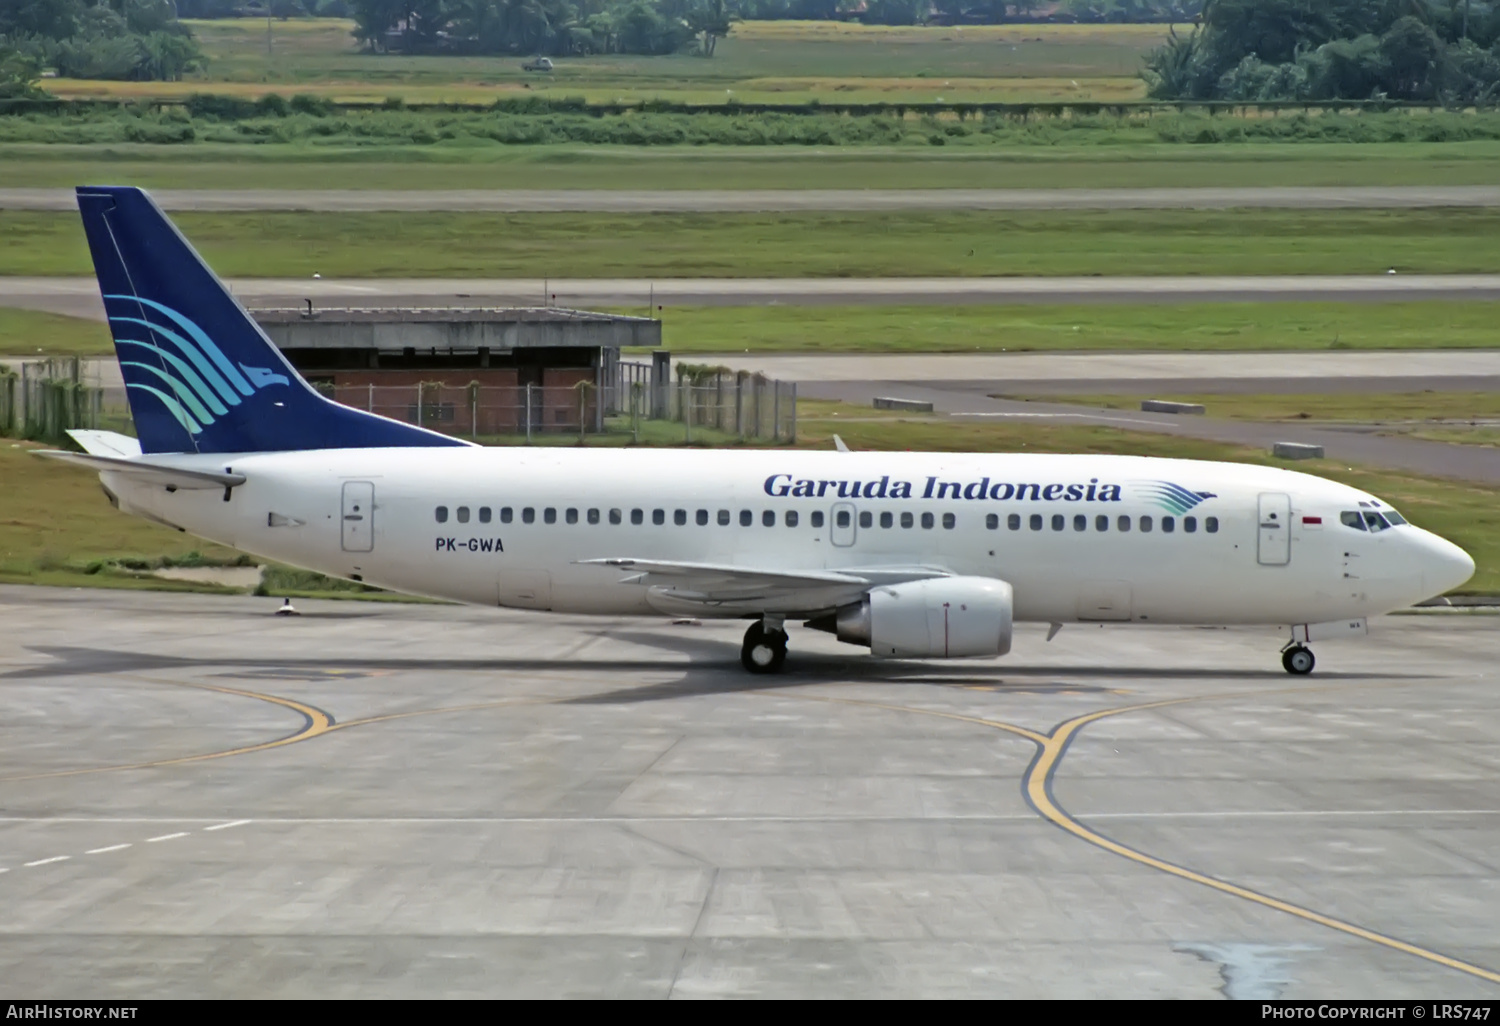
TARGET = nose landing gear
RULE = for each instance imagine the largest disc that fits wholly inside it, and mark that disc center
(764, 650)
(1297, 659)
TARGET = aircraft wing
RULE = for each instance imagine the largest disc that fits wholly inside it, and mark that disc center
(152, 473)
(713, 583)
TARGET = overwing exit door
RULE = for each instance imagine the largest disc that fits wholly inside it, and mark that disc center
(843, 529)
(359, 516)
(1274, 547)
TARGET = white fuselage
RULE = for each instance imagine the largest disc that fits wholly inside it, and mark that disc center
(453, 524)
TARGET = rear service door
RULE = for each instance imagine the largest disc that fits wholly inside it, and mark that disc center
(359, 516)
(842, 531)
(1275, 544)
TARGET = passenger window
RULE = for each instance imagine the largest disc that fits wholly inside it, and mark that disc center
(1101, 523)
(1013, 522)
(1080, 522)
(1211, 525)
(791, 518)
(1036, 521)
(927, 521)
(768, 518)
(1145, 525)
(528, 515)
(723, 518)
(702, 518)
(637, 516)
(614, 516)
(1123, 523)
(505, 514)
(571, 515)
(817, 518)
(841, 518)
(886, 520)
(442, 514)
(1189, 525)
(746, 518)
(906, 520)
(1167, 525)
(949, 521)
(658, 517)
(679, 517)
(593, 516)
(549, 515)
(484, 514)
(992, 521)
(1058, 520)
(463, 514)
(866, 518)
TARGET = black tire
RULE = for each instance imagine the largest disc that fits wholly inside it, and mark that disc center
(764, 651)
(1298, 661)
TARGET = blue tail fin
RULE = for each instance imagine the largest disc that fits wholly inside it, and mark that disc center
(200, 374)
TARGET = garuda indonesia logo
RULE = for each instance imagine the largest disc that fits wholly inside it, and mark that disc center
(1171, 497)
(189, 374)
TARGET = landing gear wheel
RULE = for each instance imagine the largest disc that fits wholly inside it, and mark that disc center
(764, 651)
(1298, 660)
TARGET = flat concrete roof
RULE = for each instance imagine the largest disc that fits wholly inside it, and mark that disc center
(443, 315)
(454, 329)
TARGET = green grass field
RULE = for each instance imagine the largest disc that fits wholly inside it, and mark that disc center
(1205, 327)
(1362, 407)
(796, 245)
(1199, 327)
(275, 166)
(773, 62)
(30, 333)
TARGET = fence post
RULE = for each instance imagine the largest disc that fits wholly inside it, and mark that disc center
(687, 411)
(474, 412)
(370, 402)
(419, 404)
(793, 439)
(528, 413)
(776, 411)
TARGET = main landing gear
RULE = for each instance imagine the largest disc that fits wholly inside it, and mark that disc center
(1297, 659)
(764, 650)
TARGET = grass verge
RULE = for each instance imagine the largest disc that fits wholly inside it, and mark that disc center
(1191, 327)
(1364, 407)
(32, 333)
(831, 245)
(296, 166)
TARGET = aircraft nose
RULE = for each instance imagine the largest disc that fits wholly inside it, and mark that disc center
(1444, 565)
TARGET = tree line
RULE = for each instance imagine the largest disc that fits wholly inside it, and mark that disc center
(1445, 51)
(110, 39)
(551, 27)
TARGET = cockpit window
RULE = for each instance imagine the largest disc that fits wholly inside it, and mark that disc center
(1375, 522)
(1352, 518)
(1393, 518)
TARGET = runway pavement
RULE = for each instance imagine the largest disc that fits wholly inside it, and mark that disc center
(79, 296)
(387, 801)
(788, 200)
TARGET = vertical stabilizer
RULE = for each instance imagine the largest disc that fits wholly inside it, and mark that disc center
(200, 374)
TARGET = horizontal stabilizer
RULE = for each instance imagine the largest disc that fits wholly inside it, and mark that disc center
(106, 443)
(151, 473)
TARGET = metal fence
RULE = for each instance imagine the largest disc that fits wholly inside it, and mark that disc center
(43, 399)
(743, 407)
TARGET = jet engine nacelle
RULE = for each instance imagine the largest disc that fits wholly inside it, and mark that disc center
(937, 618)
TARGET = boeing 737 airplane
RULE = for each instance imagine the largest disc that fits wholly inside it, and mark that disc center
(913, 555)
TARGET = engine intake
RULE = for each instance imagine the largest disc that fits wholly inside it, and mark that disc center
(937, 618)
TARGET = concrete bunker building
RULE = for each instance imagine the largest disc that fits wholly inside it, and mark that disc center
(466, 371)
